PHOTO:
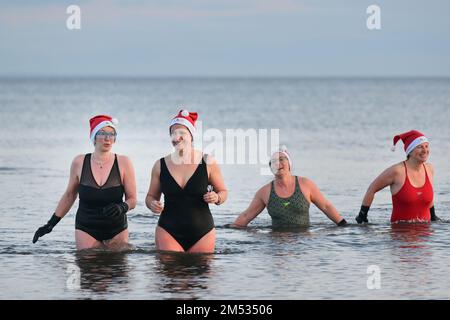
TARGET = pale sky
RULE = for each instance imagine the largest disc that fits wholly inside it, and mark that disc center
(165, 38)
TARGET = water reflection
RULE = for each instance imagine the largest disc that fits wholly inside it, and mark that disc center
(411, 235)
(184, 274)
(102, 271)
(288, 235)
(411, 247)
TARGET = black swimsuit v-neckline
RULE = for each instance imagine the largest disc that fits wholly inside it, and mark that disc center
(186, 215)
(174, 180)
(109, 175)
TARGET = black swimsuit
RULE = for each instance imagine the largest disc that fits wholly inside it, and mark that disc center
(93, 198)
(186, 216)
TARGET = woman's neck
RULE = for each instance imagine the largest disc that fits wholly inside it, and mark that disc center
(414, 164)
(284, 180)
(102, 155)
(184, 156)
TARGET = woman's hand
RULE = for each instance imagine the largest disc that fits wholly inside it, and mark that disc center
(211, 197)
(46, 228)
(156, 206)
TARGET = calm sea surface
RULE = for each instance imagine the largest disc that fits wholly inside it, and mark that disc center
(339, 133)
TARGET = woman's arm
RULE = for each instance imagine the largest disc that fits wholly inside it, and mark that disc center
(321, 202)
(255, 208)
(66, 201)
(219, 194)
(430, 171)
(129, 182)
(386, 178)
(154, 192)
(70, 195)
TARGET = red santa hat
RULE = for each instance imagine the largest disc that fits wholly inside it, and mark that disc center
(411, 139)
(186, 119)
(283, 151)
(99, 122)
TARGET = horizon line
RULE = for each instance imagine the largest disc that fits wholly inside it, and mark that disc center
(219, 77)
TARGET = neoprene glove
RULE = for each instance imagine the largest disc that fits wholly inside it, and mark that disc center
(362, 216)
(434, 217)
(115, 209)
(46, 228)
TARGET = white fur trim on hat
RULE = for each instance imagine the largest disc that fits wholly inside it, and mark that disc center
(415, 143)
(283, 150)
(183, 122)
(102, 125)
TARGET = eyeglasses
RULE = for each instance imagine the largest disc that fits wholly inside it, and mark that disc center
(104, 135)
(280, 159)
(179, 132)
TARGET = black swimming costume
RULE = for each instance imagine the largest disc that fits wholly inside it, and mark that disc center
(93, 198)
(186, 216)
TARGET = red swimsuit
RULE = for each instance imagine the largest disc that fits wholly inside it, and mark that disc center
(412, 203)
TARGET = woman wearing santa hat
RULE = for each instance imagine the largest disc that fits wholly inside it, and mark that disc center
(410, 181)
(101, 179)
(185, 223)
(287, 198)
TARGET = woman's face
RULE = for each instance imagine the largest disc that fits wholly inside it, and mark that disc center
(180, 137)
(105, 138)
(279, 163)
(421, 152)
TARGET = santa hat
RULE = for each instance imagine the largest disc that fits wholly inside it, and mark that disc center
(411, 139)
(186, 119)
(99, 122)
(283, 151)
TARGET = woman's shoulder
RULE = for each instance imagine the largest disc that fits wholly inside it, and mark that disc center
(77, 164)
(396, 168)
(78, 160)
(264, 191)
(266, 186)
(156, 168)
(429, 167)
(304, 181)
(208, 158)
(123, 159)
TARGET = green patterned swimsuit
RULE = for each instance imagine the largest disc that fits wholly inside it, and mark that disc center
(292, 211)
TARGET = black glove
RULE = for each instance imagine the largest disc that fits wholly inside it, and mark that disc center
(46, 228)
(115, 209)
(362, 216)
(434, 217)
(342, 223)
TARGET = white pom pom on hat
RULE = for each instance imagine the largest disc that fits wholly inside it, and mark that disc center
(185, 118)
